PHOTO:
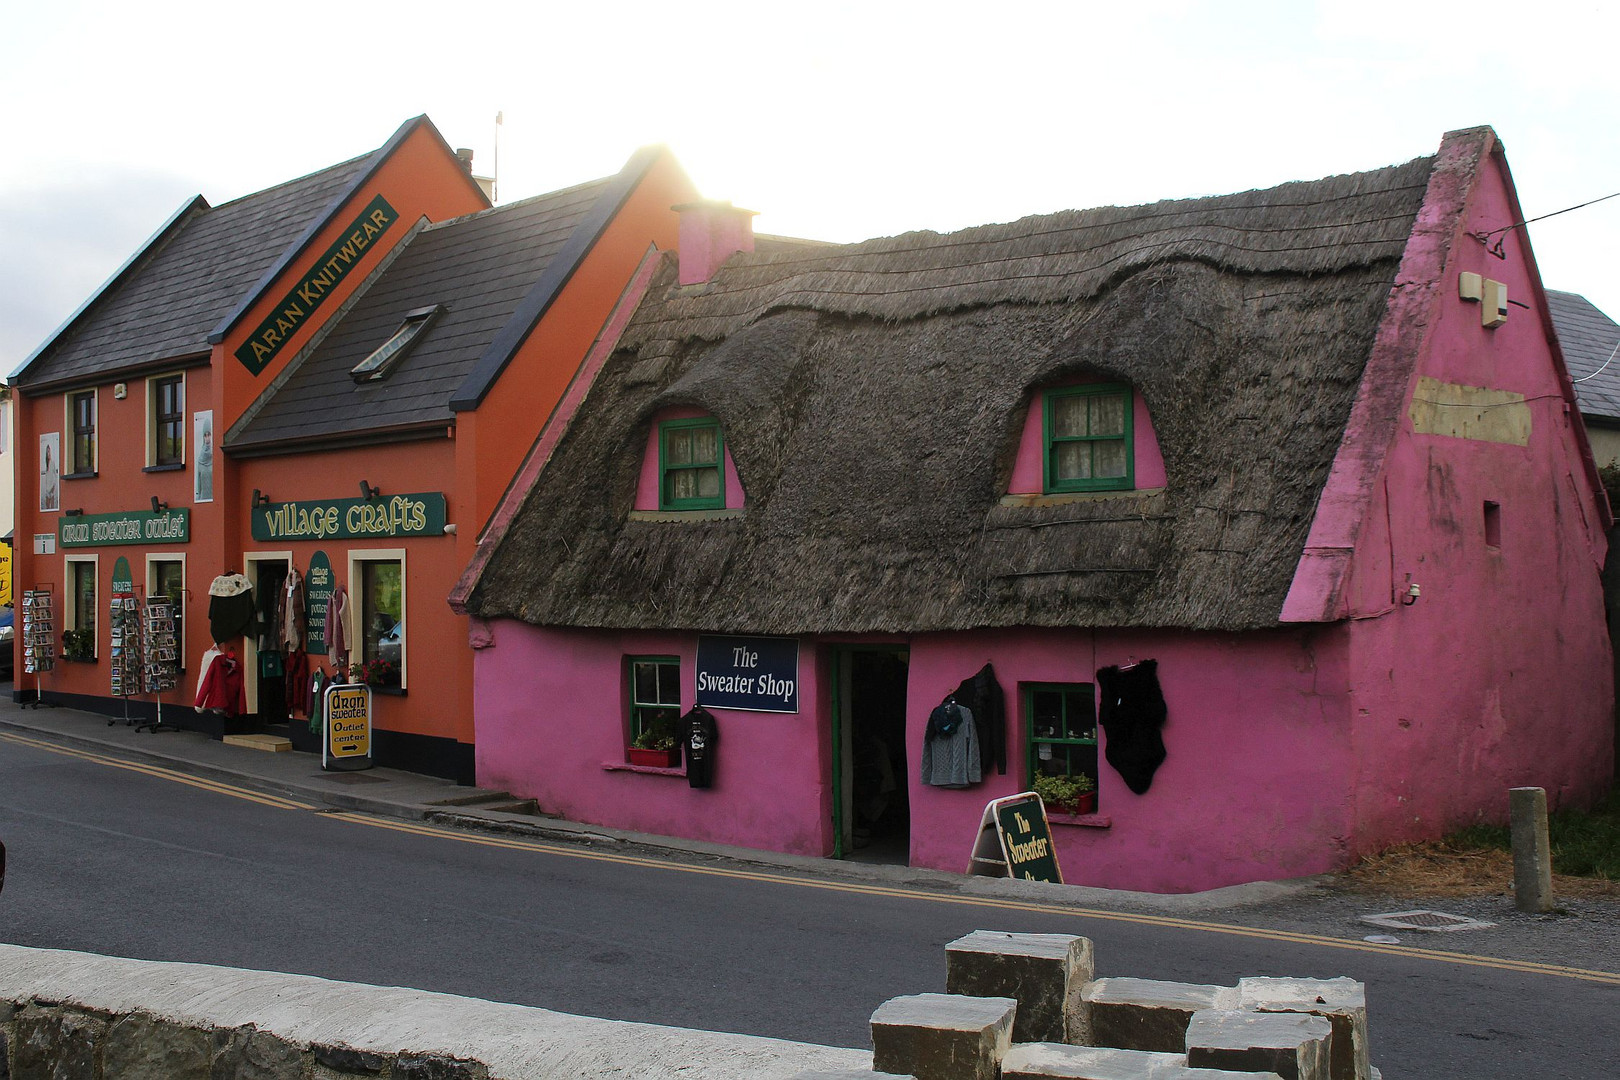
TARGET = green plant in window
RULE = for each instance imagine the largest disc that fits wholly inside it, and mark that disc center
(78, 645)
(1063, 791)
(655, 736)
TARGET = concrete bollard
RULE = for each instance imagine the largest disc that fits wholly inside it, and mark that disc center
(1043, 972)
(1532, 851)
(1292, 1045)
(1058, 1061)
(1342, 1002)
(942, 1036)
(1145, 1014)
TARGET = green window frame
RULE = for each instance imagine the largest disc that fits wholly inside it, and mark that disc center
(1060, 730)
(691, 465)
(655, 696)
(1088, 438)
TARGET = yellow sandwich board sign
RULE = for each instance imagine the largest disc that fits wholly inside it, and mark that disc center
(347, 744)
(1015, 839)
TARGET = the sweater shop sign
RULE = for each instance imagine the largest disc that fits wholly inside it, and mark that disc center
(384, 516)
(753, 674)
(129, 527)
(310, 292)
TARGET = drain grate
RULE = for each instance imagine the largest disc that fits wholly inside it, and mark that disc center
(1437, 922)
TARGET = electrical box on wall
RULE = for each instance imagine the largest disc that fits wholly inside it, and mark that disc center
(1493, 309)
(1470, 287)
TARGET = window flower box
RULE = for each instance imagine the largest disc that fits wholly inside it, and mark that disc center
(668, 758)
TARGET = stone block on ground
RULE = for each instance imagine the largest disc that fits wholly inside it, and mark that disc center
(1044, 973)
(1342, 1002)
(848, 1074)
(1059, 1061)
(1292, 1045)
(942, 1036)
(1146, 1014)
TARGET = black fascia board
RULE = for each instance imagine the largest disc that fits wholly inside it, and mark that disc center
(164, 231)
(301, 245)
(538, 300)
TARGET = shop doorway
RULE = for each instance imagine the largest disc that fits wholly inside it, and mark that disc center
(266, 683)
(871, 808)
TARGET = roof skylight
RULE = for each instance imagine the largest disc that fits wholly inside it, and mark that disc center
(391, 352)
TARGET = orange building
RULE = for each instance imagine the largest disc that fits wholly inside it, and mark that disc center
(371, 350)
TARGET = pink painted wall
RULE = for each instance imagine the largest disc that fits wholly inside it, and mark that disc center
(1499, 675)
(1028, 476)
(647, 485)
(1255, 784)
(552, 708)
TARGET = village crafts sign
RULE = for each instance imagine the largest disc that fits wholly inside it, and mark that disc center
(129, 527)
(399, 515)
(312, 290)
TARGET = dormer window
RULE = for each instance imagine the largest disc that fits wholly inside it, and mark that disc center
(691, 454)
(380, 363)
(1088, 438)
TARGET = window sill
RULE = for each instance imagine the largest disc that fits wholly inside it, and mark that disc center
(79, 659)
(387, 691)
(176, 467)
(91, 475)
(1084, 821)
(1063, 498)
(651, 770)
(686, 515)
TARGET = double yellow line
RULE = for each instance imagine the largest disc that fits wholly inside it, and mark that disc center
(569, 851)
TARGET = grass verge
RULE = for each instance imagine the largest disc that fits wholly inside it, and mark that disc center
(1479, 859)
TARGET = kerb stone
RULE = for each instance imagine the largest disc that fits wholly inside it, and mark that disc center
(1145, 1014)
(942, 1036)
(848, 1074)
(1342, 1002)
(144, 1048)
(1057, 1061)
(1044, 973)
(1292, 1045)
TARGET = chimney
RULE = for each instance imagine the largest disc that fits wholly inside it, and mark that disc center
(465, 156)
(712, 230)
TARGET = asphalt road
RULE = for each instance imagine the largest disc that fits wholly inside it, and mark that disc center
(125, 863)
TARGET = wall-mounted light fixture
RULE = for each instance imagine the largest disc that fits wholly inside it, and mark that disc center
(1411, 595)
(449, 528)
(369, 492)
(158, 505)
(260, 498)
(77, 512)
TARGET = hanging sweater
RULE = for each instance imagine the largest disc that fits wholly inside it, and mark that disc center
(298, 681)
(983, 695)
(291, 632)
(339, 626)
(952, 759)
(223, 687)
(230, 607)
(1132, 712)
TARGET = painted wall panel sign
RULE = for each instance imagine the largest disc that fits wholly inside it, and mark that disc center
(129, 527)
(398, 515)
(1015, 839)
(44, 543)
(318, 584)
(5, 574)
(754, 674)
(347, 744)
(310, 292)
(123, 582)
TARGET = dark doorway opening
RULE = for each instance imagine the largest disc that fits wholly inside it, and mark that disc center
(874, 812)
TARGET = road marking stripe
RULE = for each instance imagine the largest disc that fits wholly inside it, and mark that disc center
(1530, 967)
(162, 773)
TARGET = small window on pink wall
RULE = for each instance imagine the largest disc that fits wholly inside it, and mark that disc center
(1053, 430)
(1493, 524)
(661, 467)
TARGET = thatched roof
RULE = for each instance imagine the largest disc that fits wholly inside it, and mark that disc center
(872, 396)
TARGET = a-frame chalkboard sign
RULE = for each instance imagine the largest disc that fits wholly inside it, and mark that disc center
(1015, 840)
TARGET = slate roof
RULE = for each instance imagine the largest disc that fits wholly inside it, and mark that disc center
(166, 301)
(479, 268)
(1588, 338)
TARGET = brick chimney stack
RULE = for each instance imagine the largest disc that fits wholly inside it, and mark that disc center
(712, 230)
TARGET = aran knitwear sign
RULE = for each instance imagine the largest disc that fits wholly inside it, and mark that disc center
(753, 674)
(312, 290)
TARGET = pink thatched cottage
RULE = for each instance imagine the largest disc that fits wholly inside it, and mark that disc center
(1268, 514)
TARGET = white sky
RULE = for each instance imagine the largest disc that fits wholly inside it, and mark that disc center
(835, 120)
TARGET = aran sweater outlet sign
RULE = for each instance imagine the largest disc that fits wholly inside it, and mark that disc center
(753, 674)
(129, 527)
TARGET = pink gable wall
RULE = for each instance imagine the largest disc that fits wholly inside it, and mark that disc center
(1499, 674)
(1028, 468)
(647, 485)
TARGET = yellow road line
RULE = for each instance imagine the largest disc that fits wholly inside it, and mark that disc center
(1530, 967)
(161, 773)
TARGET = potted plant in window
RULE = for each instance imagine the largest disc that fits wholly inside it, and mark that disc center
(655, 747)
(78, 645)
(1071, 794)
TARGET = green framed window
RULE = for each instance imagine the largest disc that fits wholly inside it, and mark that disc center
(1087, 431)
(1060, 730)
(655, 698)
(691, 465)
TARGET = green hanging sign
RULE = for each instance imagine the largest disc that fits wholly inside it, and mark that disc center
(318, 585)
(123, 582)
